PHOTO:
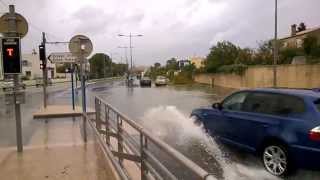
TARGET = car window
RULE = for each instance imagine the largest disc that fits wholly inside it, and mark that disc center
(235, 101)
(261, 103)
(274, 104)
(317, 103)
(290, 104)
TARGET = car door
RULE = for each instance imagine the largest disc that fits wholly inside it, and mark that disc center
(263, 115)
(230, 105)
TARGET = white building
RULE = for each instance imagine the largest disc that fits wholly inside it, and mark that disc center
(31, 66)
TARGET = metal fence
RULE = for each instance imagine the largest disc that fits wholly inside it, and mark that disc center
(123, 139)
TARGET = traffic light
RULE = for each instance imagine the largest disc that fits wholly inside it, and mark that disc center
(11, 55)
(42, 52)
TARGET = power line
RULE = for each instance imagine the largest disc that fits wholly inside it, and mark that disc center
(41, 30)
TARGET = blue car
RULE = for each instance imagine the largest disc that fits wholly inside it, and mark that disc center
(282, 126)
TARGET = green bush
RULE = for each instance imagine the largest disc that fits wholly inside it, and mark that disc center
(183, 78)
(235, 68)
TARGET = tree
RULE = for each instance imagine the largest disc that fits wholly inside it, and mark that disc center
(264, 53)
(224, 53)
(302, 27)
(157, 65)
(172, 64)
(100, 65)
(309, 44)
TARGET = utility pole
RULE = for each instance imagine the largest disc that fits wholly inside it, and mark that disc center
(12, 26)
(44, 70)
(83, 83)
(130, 43)
(130, 52)
(275, 53)
(125, 53)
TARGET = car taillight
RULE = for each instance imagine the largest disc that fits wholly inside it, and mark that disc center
(314, 134)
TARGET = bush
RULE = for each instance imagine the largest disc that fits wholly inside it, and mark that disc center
(183, 78)
(235, 68)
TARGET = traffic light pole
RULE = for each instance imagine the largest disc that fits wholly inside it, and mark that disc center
(44, 71)
(12, 22)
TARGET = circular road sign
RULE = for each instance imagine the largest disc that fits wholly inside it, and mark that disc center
(80, 43)
(22, 24)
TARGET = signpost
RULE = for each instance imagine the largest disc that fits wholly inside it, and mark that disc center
(81, 46)
(13, 25)
(62, 57)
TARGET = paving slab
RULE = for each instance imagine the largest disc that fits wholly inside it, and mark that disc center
(56, 111)
(80, 162)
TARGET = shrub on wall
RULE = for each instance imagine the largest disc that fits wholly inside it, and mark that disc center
(235, 68)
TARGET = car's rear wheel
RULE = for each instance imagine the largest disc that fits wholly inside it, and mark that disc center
(276, 159)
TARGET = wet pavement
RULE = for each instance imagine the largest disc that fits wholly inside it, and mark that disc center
(53, 148)
(165, 111)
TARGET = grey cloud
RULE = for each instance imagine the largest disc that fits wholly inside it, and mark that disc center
(171, 28)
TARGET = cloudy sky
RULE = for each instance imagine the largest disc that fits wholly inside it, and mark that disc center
(170, 28)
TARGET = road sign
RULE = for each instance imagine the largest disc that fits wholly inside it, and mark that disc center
(21, 23)
(11, 55)
(80, 43)
(62, 57)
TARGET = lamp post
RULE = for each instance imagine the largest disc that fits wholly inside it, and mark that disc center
(130, 41)
(275, 43)
(125, 54)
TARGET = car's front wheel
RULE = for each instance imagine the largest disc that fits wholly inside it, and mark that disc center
(276, 159)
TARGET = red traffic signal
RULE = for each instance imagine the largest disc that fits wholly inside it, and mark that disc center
(11, 55)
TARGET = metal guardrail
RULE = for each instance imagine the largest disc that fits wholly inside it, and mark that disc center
(118, 143)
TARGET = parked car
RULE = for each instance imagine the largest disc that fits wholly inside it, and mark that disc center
(145, 81)
(8, 85)
(39, 82)
(282, 126)
(161, 81)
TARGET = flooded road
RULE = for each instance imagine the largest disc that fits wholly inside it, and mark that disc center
(165, 112)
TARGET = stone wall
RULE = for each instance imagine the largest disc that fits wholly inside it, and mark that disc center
(291, 76)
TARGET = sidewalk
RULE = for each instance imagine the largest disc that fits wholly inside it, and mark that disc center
(56, 151)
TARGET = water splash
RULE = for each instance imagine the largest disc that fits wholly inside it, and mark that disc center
(170, 124)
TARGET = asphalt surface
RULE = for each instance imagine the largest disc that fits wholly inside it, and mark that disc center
(164, 111)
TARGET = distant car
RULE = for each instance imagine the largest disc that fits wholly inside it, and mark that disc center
(39, 82)
(161, 81)
(8, 85)
(145, 81)
(282, 126)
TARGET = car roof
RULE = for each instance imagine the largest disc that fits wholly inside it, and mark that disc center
(313, 93)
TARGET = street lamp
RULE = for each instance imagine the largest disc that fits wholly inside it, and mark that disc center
(130, 39)
(275, 43)
(125, 53)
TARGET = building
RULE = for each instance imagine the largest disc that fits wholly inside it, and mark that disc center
(182, 63)
(31, 66)
(295, 40)
(197, 61)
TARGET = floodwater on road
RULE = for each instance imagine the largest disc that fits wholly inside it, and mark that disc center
(165, 112)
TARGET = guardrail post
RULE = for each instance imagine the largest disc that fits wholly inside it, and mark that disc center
(120, 140)
(98, 111)
(106, 110)
(143, 145)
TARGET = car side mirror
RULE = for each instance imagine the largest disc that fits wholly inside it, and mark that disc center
(217, 106)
